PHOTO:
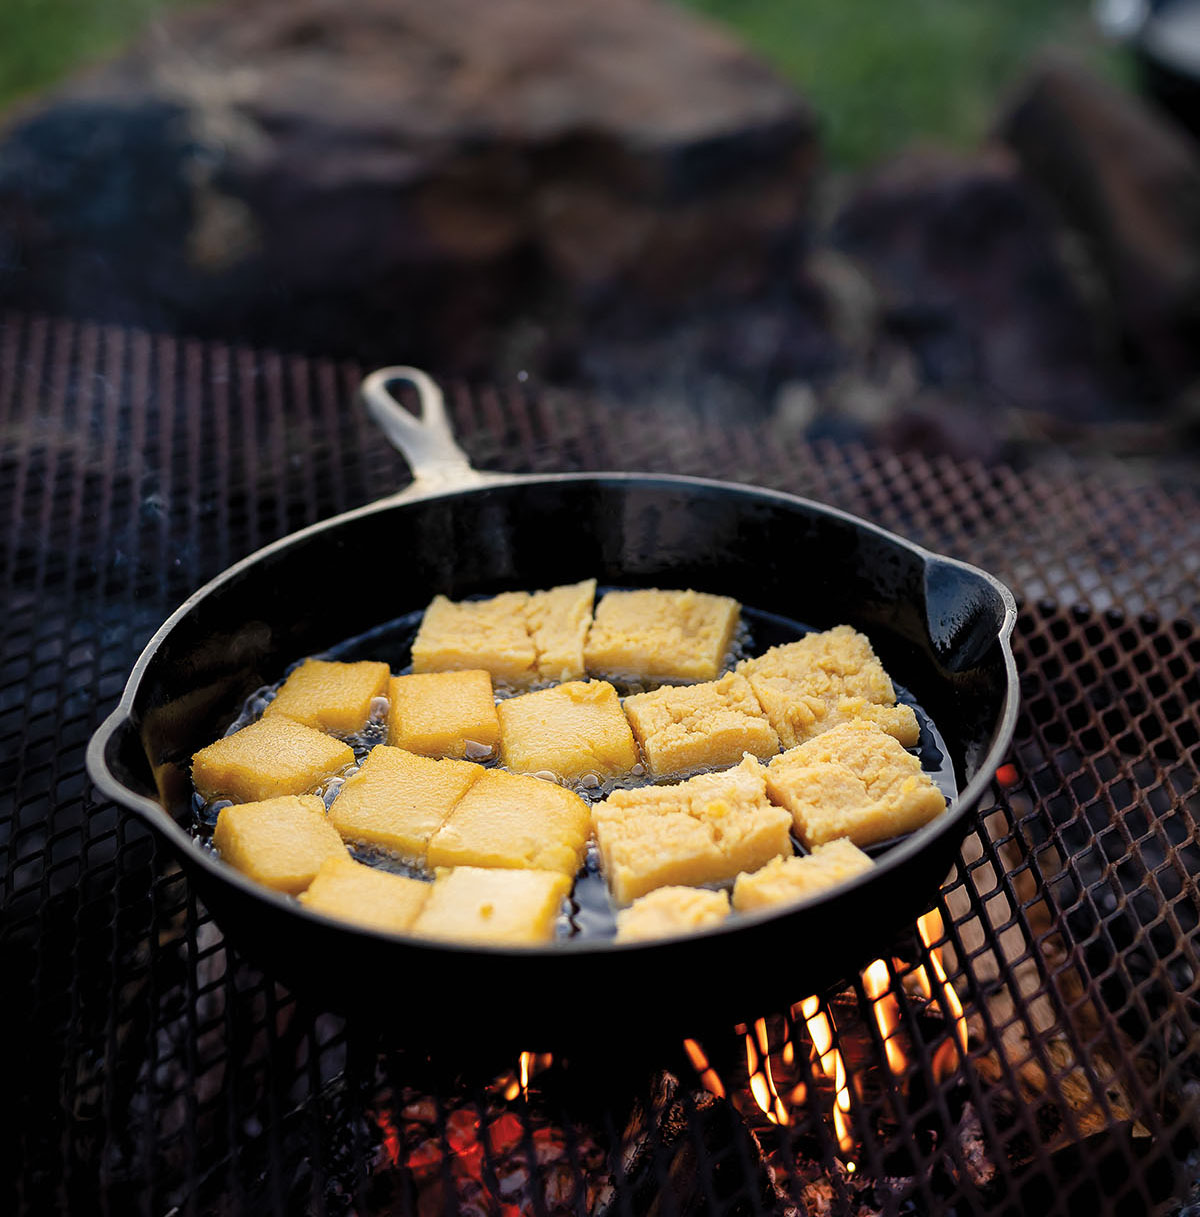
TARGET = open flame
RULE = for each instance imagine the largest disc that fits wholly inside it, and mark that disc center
(951, 1052)
(516, 1083)
(778, 1094)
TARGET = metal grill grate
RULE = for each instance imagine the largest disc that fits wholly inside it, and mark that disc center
(154, 1071)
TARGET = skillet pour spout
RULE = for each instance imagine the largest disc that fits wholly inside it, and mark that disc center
(942, 629)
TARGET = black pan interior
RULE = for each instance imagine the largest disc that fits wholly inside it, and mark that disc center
(935, 624)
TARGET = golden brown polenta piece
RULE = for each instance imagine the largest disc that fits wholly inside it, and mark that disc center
(272, 757)
(666, 635)
(521, 638)
(558, 621)
(669, 911)
(443, 714)
(487, 634)
(570, 730)
(786, 880)
(348, 890)
(688, 727)
(398, 800)
(472, 904)
(853, 781)
(706, 830)
(808, 686)
(512, 821)
(282, 843)
(330, 696)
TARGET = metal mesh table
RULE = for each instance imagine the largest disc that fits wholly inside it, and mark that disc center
(154, 1071)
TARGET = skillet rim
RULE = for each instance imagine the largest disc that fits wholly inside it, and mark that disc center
(422, 490)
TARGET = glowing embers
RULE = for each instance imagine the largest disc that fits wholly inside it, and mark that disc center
(833, 1058)
(496, 1149)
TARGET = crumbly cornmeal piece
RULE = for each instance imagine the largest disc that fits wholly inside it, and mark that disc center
(510, 821)
(398, 800)
(473, 904)
(330, 696)
(272, 757)
(349, 890)
(671, 910)
(281, 843)
(661, 634)
(569, 730)
(521, 638)
(706, 830)
(683, 728)
(558, 621)
(488, 634)
(855, 781)
(786, 880)
(441, 713)
(806, 687)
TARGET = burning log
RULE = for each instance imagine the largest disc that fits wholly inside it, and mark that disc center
(685, 1151)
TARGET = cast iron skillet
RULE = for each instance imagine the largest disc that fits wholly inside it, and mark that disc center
(941, 627)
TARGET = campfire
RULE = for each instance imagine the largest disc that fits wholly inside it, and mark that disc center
(850, 1100)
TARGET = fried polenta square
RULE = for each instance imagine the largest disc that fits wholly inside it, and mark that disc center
(334, 697)
(685, 728)
(854, 781)
(281, 843)
(661, 635)
(572, 731)
(705, 830)
(503, 907)
(823, 679)
(272, 757)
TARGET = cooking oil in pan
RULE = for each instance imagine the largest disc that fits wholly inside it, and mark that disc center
(591, 914)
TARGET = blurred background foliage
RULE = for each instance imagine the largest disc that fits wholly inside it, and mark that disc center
(881, 73)
(878, 72)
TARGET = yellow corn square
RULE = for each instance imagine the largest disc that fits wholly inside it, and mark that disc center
(661, 635)
(821, 680)
(684, 728)
(444, 714)
(506, 907)
(398, 800)
(558, 621)
(350, 891)
(333, 697)
(855, 781)
(272, 757)
(786, 880)
(281, 843)
(669, 911)
(511, 821)
(488, 634)
(705, 830)
(571, 731)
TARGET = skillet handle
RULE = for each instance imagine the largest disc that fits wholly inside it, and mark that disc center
(425, 440)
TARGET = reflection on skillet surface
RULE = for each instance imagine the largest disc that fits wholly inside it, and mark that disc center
(590, 913)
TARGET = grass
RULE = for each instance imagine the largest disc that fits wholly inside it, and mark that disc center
(43, 40)
(882, 73)
(879, 72)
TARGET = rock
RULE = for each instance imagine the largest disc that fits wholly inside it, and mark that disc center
(395, 179)
(1129, 182)
(966, 272)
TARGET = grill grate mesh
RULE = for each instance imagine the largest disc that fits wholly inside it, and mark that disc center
(154, 1071)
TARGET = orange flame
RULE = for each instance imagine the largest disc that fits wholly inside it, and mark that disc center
(950, 1053)
(828, 1059)
(881, 986)
(885, 1007)
(528, 1064)
(708, 1075)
